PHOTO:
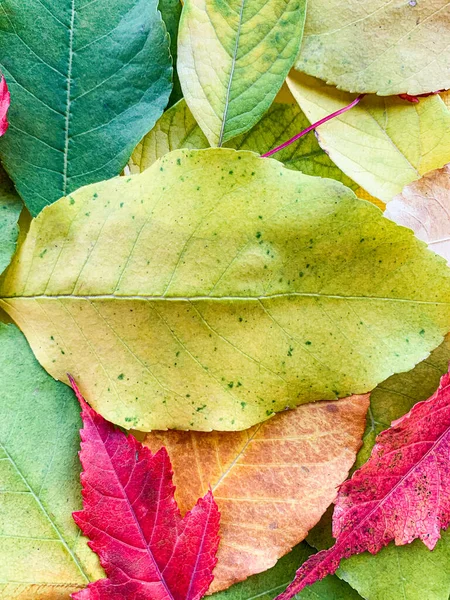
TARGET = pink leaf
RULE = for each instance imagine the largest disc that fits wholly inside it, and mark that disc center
(132, 520)
(400, 494)
(5, 99)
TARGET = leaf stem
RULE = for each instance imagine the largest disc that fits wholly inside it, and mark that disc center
(314, 125)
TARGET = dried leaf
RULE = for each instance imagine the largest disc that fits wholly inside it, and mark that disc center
(272, 483)
(134, 524)
(424, 207)
(379, 46)
(382, 143)
(401, 494)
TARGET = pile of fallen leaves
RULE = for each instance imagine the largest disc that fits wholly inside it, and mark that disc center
(225, 235)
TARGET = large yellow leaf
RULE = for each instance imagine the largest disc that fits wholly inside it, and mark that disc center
(272, 482)
(218, 287)
(383, 143)
(233, 57)
(380, 46)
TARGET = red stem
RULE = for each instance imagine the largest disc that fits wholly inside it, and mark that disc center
(314, 125)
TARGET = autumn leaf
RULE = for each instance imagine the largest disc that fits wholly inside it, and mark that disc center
(385, 47)
(230, 81)
(424, 207)
(236, 291)
(383, 143)
(87, 80)
(272, 483)
(42, 555)
(171, 12)
(400, 494)
(5, 98)
(178, 129)
(133, 522)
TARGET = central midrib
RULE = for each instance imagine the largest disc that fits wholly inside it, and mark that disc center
(206, 298)
(68, 98)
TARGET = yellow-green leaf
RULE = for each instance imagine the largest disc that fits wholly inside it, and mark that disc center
(378, 46)
(233, 57)
(42, 555)
(178, 129)
(218, 287)
(383, 143)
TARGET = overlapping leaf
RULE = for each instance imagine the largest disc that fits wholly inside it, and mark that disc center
(233, 58)
(171, 13)
(424, 207)
(87, 80)
(272, 483)
(10, 208)
(400, 494)
(178, 129)
(379, 46)
(383, 143)
(212, 302)
(410, 572)
(42, 555)
(267, 585)
(134, 524)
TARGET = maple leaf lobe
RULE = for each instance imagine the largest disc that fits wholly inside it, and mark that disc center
(133, 522)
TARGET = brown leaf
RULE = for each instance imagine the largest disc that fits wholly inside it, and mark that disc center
(272, 482)
(424, 207)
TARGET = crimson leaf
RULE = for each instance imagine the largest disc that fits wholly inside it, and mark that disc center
(401, 493)
(5, 99)
(133, 522)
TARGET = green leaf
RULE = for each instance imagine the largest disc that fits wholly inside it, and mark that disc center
(178, 129)
(267, 585)
(87, 81)
(383, 143)
(171, 13)
(231, 77)
(378, 46)
(10, 208)
(218, 287)
(411, 572)
(41, 552)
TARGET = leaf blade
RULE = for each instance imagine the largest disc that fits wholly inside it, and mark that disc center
(231, 82)
(69, 122)
(158, 552)
(271, 483)
(339, 305)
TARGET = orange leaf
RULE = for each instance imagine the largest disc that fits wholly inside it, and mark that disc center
(272, 482)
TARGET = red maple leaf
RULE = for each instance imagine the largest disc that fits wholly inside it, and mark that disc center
(5, 99)
(400, 494)
(149, 552)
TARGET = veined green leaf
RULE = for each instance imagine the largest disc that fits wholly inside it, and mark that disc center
(382, 143)
(41, 552)
(233, 57)
(378, 46)
(218, 287)
(87, 81)
(178, 129)
(411, 572)
(171, 12)
(267, 585)
(10, 208)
